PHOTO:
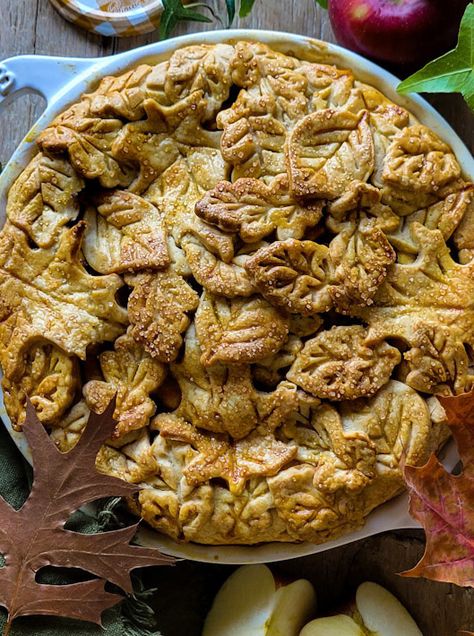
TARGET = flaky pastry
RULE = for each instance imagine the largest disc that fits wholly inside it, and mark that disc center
(268, 264)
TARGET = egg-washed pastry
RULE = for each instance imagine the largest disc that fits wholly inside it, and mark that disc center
(268, 263)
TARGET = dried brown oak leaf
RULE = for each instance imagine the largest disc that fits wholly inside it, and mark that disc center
(443, 503)
(34, 536)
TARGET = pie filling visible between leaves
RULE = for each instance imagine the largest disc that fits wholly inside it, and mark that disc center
(269, 264)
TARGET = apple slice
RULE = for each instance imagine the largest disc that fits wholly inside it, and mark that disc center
(382, 613)
(249, 604)
(294, 605)
(339, 625)
(243, 605)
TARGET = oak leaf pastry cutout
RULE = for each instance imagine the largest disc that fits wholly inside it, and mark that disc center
(68, 430)
(417, 159)
(269, 263)
(344, 460)
(252, 140)
(123, 96)
(229, 279)
(54, 298)
(87, 141)
(201, 68)
(210, 395)
(235, 462)
(48, 377)
(360, 262)
(153, 144)
(444, 215)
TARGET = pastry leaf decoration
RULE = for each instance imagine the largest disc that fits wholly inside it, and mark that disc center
(452, 72)
(443, 503)
(34, 537)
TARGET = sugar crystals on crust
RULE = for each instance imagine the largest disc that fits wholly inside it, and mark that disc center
(269, 265)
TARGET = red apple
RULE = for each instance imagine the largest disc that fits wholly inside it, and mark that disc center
(399, 32)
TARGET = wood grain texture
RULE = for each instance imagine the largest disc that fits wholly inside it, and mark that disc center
(32, 26)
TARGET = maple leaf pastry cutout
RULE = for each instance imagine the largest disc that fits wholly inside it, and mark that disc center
(34, 536)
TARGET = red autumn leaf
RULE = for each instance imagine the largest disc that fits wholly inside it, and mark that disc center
(34, 536)
(444, 503)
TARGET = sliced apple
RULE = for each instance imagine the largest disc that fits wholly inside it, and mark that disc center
(294, 605)
(339, 625)
(244, 603)
(250, 604)
(382, 613)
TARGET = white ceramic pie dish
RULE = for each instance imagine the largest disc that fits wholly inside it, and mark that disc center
(61, 81)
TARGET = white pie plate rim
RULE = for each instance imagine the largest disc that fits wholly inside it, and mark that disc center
(61, 81)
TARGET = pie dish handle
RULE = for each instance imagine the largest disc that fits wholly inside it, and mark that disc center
(41, 74)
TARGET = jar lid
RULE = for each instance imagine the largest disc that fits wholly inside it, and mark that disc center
(113, 18)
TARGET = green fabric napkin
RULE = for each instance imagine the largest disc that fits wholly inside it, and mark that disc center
(128, 619)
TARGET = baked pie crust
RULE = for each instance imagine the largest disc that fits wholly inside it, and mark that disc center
(268, 263)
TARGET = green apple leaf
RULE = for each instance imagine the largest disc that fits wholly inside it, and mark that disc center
(451, 73)
(174, 11)
(246, 7)
(323, 3)
(230, 5)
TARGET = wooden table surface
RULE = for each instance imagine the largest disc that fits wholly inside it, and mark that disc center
(32, 26)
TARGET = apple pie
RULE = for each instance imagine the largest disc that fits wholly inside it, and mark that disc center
(268, 263)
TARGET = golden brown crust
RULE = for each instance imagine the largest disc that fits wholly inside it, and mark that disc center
(130, 375)
(327, 151)
(293, 275)
(205, 237)
(124, 233)
(228, 279)
(44, 199)
(235, 462)
(47, 294)
(418, 160)
(239, 330)
(48, 377)
(254, 210)
(361, 261)
(158, 308)
(339, 365)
